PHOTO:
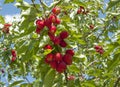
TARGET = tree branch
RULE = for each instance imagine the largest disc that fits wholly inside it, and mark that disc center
(65, 73)
(116, 83)
(35, 6)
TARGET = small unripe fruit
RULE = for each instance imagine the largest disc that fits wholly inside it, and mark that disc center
(91, 26)
(71, 77)
(61, 67)
(70, 52)
(63, 43)
(64, 34)
(56, 10)
(67, 59)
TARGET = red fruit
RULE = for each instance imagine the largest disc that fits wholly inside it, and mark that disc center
(58, 57)
(97, 47)
(63, 43)
(49, 58)
(48, 47)
(13, 59)
(61, 67)
(52, 18)
(57, 21)
(101, 51)
(70, 52)
(52, 29)
(38, 30)
(40, 24)
(79, 11)
(71, 77)
(91, 26)
(56, 10)
(52, 37)
(13, 51)
(57, 40)
(48, 23)
(7, 25)
(53, 64)
(64, 34)
(67, 59)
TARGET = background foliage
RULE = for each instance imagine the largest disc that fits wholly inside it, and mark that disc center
(90, 68)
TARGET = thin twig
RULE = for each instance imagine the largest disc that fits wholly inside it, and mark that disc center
(116, 83)
(35, 6)
(65, 73)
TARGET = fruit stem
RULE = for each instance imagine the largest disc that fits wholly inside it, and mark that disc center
(65, 73)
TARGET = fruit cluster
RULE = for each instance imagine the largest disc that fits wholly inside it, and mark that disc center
(56, 59)
(13, 52)
(82, 10)
(99, 49)
(5, 29)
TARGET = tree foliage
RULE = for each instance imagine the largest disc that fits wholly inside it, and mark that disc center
(87, 28)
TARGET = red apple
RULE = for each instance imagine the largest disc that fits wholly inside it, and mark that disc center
(40, 23)
(63, 43)
(52, 29)
(61, 67)
(13, 59)
(56, 10)
(49, 58)
(70, 52)
(53, 64)
(67, 59)
(64, 34)
(58, 57)
(48, 47)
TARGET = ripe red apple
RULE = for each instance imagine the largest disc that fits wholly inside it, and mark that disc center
(58, 57)
(57, 21)
(64, 34)
(48, 23)
(63, 43)
(53, 64)
(52, 29)
(13, 59)
(101, 51)
(70, 52)
(97, 47)
(56, 10)
(40, 23)
(49, 58)
(79, 11)
(48, 47)
(51, 36)
(57, 40)
(52, 18)
(13, 53)
(67, 59)
(38, 30)
(61, 67)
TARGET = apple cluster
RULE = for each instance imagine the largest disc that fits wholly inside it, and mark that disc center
(5, 29)
(99, 49)
(13, 52)
(56, 59)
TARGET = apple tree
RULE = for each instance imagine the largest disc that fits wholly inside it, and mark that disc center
(69, 43)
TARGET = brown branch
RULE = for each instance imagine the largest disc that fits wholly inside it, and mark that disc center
(65, 73)
(35, 6)
(116, 83)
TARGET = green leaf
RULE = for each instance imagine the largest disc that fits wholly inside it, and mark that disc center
(112, 3)
(112, 64)
(2, 21)
(79, 3)
(16, 83)
(47, 51)
(9, 1)
(49, 78)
